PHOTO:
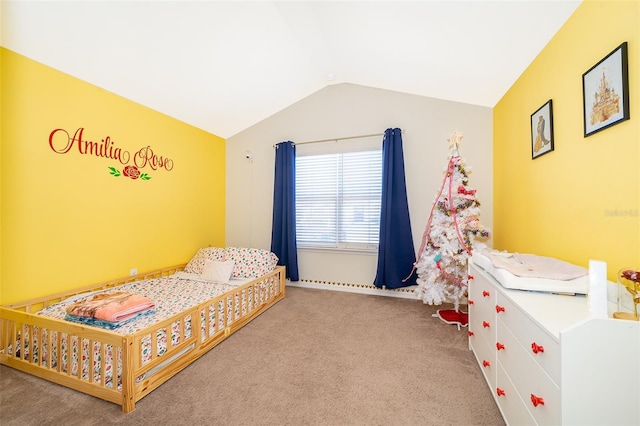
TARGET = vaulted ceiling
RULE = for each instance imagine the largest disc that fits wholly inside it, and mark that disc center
(223, 66)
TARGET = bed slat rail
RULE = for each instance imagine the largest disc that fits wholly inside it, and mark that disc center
(43, 347)
(211, 323)
(124, 368)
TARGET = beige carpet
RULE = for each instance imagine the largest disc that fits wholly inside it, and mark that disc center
(316, 358)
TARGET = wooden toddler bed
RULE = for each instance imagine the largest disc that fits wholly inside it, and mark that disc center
(124, 364)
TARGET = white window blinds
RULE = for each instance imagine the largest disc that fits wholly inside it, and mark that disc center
(338, 199)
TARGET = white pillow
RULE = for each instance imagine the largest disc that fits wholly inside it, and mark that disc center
(196, 264)
(217, 271)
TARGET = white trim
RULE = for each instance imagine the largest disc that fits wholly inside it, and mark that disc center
(405, 292)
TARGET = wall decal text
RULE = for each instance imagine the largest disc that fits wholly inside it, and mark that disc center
(61, 142)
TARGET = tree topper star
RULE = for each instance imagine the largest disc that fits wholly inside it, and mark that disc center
(454, 140)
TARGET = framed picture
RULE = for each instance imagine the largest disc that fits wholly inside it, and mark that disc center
(542, 130)
(605, 92)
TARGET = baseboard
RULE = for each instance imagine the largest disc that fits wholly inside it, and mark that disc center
(404, 292)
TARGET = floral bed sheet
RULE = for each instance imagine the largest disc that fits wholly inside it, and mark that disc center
(172, 295)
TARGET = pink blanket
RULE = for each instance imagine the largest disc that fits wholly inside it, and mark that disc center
(111, 307)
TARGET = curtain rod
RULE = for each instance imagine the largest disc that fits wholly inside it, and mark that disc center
(339, 139)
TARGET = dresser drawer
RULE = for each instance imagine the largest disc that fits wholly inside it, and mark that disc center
(529, 378)
(511, 405)
(482, 296)
(483, 325)
(486, 356)
(544, 349)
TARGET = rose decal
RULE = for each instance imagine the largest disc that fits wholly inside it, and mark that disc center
(129, 171)
(132, 172)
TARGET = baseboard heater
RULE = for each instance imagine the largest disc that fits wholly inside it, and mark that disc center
(404, 292)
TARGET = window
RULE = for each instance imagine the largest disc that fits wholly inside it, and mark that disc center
(338, 198)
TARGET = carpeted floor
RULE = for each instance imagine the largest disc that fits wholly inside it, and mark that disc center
(315, 358)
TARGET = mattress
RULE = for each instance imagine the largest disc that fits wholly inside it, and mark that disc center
(173, 294)
(578, 283)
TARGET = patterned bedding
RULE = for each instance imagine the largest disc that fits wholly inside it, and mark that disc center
(172, 295)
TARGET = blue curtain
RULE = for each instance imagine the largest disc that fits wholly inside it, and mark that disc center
(396, 254)
(283, 230)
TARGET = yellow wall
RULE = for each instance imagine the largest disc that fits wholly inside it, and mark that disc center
(65, 220)
(1, 183)
(581, 201)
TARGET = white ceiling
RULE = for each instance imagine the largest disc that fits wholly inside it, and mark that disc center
(223, 66)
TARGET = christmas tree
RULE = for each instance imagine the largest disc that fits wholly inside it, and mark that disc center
(448, 239)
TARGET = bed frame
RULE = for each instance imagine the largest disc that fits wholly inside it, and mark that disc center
(21, 328)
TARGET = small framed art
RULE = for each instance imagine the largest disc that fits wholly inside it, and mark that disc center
(542, 130)
(605, 92)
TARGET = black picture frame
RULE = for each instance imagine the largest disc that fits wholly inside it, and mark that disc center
(542, 130)
(605, 92)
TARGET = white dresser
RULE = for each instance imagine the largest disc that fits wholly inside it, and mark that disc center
(548, 362)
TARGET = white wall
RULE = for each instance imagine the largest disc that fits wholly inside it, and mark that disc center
(344, 110)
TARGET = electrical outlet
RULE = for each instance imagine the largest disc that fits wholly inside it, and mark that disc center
(133, 272)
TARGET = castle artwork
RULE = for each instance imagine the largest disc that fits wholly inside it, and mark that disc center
(606, 102)
(606, 92)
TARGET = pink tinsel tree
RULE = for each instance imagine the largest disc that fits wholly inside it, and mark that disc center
(448, 239)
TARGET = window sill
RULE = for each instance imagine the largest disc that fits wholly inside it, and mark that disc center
(355, 251)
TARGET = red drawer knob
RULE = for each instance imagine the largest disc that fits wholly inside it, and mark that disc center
(486, 324)
(499, 345)
(469, 277)
(537, 348)
(471, 302)
(485, 293)
(499, 308)
(536, 400)
(470, 333)
(486, 363)
(500, 392)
